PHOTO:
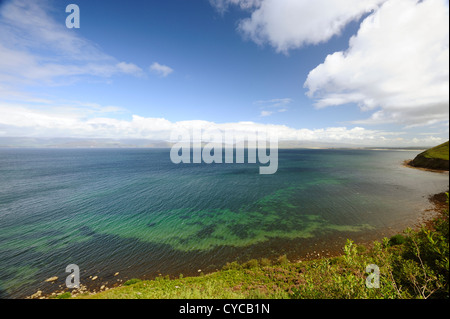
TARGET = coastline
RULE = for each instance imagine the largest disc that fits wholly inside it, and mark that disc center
(407, 163)
(437, 204)
(316, 251)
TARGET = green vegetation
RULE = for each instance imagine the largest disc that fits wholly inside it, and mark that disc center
(132, 282)
(434, 158)
(440, 151)
(412, 265)
(398, 239)
(64, 295)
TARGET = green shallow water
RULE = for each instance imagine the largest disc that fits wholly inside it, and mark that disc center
(135, 212)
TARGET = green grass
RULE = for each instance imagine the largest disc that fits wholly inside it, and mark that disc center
(440, 152)
(435, 158)
(412, 265)
(65, 295)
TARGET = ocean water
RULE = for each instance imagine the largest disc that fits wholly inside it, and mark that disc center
(134, 212)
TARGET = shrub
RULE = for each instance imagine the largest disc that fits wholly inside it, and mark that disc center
(252, 263)
(282, 260)
(233, 265)
(422, 266)
(265, 262)
(397, 240)
(132, 281)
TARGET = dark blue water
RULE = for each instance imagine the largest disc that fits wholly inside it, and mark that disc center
(134, 212)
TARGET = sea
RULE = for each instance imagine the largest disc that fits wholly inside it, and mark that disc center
(132, 213)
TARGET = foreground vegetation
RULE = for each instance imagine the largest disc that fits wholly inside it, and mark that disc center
(412, 265)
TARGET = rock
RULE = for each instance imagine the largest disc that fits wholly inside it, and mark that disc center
(51, 279)
(116, 274)
(95, 277)
(102, 287)
(431, 163)
(37, 294)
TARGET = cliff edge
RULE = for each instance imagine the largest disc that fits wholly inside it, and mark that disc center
(436, 158)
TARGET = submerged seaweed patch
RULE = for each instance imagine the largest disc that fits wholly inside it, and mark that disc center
(206, 232)
(272, 216)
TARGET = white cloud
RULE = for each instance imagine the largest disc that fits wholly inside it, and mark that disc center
(161, 70)
(269, 107)
(275, 103)
(290, 24)
(130, 68)
(397, 66)
(222, 5)
(266, 113)
(36, 49)
(89, 120)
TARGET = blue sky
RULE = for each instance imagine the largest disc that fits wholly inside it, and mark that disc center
(329, 71)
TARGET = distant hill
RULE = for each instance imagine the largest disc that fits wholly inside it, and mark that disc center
(434, 158)
(31, 142)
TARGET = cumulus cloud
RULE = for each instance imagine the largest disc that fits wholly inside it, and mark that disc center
(161, 70)
(397, 66)
(87, 120)
(290, 24)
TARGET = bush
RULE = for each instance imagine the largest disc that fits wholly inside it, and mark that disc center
(397, 240)
(422, 266)
(253, 263)
(233, 265)
(282, 260)
(132, 282)
(265, 262)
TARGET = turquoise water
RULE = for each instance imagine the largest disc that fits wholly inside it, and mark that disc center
(135, 212)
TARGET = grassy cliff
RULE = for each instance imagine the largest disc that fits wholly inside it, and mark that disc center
(434, 158)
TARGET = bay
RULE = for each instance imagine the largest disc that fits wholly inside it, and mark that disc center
(134, 212)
